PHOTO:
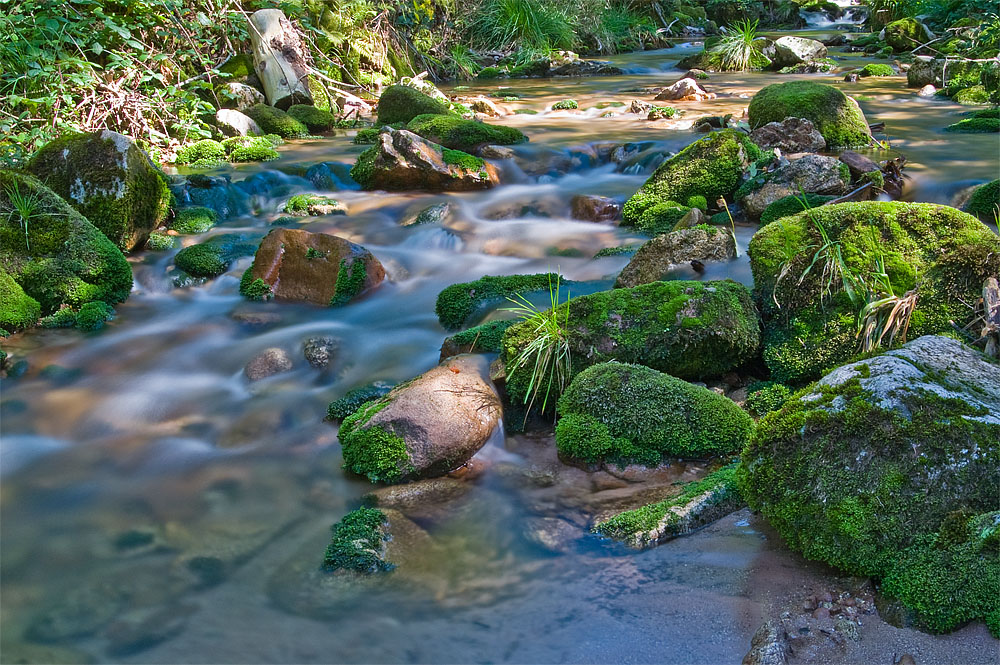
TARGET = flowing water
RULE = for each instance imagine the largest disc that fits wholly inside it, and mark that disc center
(156, 507)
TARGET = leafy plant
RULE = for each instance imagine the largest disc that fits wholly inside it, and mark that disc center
(740, 49)
(509, 24)
(548, 355)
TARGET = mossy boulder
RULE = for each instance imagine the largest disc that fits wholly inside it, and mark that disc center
(109, 180)
(792, 204)
(940, 253)
(60, 259)
(275, 121)
(972, 96)
(985, 202)
(870, 470)
(204, 154)
(906, 34)
(214, 256)
(876, 69)
(354, 398)
(90, 317)
(455, 132)
(194, 220)
(358, 542)
(484, 338)
(292, 264)
(457, 302)
(691, 330)
(315, 205)
(837, 117)
(425, 427)
(711, 167)
(401, 160)
(630, 414)
(401, 103)
(315, 120)
(975, 126)
(252, 148)
(18, 310)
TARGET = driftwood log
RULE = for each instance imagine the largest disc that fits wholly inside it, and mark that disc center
(279, 58)
(991, 318)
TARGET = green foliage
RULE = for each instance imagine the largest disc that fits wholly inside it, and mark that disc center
(358, 542)
(351, 276)
(792, 205)
(460, 134)
(484, 338)
(315, 120)
(985, 202)
(462, 160)
(764, 397)
(565, 105)
(159, 242)
(355, 398)
(400, 103)
(698, 202)
(254, 289)
(203, 260)
(508, 25)
(190, 221)
(371, 450)
(661, 217)
(276, 121)
(203, 154)
(367, 136)
(740, 49)
(876, 69)
(976, 94)
(633, 414)
(456, 303)
(91, 316)
(17, 309)
(837, 117)
(252, 148)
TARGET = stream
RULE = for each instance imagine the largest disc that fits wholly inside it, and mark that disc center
(157, 507)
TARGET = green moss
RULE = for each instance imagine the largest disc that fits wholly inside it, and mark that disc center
(190, 221)
(159, 242)
(315, 119)
(373, 451)
(350, 282)
(865, 489)
(835, 115)
(950, 251)
(617, 251)
(661, 112)
(764, 397)
(876, 178)
(791, 205)
(698, 202)
(205, 153)
(400, 103)
(457, 133)
(491, 73)
(300, 203)
(276, 121)
(61, 318)
(17, 309)
(358, 542)
(985, 202)
(93, 315)
(238, 67)
(626, 525)
(484, 338)
(64, 259)
(462, 160)
(204, 260)
(976, 94)
(661, 217)
(367, 136)
(876, 69)
(711, 167)
(456, 303)
(364, 168)
(109, 180)
(355, 398)
(905, 35)
(252, 148)
(975, 126)
(690, 330)
(565, 105)
(629, 414)
(254, 289)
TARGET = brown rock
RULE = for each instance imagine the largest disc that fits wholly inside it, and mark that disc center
(812, 174)
(685, 90)
(821, 613)
(769, 645)
(655, 258)
(486, 106)
(590, 208)
(268, 363)
(405, 161)
(791, 135)
(858, 164)
(639, 106)
(306, 267)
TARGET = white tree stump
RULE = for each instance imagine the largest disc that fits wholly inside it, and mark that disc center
(279, 58)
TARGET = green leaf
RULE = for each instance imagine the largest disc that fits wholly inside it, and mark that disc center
(97, 48)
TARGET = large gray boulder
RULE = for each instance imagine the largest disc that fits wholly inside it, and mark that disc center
(235, 123)
(657, 256)
(795, 50)
(425, 427)
(812, 174)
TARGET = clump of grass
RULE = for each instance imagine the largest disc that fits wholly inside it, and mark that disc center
(740, 49)
(510, 24)
(23, 208)
(548, 355)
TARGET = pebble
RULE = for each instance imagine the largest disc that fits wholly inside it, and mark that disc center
(268, 363)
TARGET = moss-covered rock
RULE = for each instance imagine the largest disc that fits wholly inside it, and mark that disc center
(214, 256)
(630, 414)
(690, 330)
(837, 117)
(252, 148)
(699, 503)
(275, 121)
(358, 542)
(90, 317)
(906, 34)
(711, 167)
(60, 258)
(194, 220)
(353, 399)
(763, 397)
(985, 202)
(864, 468)
(315, 119)
(791, 205)
(456, 303)
(109, 180)
(565, 105)
(455, 132)
(972, 96)
(159, 242)
(314, 204)
(944, 255)
(975, 126)
(876, 69)
(484, 338)
(367, 136)
(18, 310)
(400, 103)
(425, 427)
(205, 153)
